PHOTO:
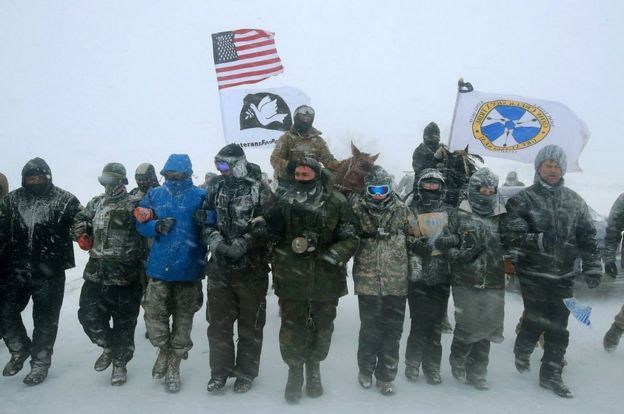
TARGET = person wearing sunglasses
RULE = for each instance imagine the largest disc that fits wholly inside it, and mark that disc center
(380, 277)
(175, 266)
(112, 287)
(315, 232)
(237, 270)
(302, 140)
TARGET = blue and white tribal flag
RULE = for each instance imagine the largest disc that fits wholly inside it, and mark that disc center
(580, 312)
(515, 127)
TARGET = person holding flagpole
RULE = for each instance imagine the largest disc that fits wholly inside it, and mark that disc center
(550, 226)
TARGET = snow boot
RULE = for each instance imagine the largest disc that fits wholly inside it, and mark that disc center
(292, 393)
(550, 378)
(314, 388)
(216, 384)
(479, 383)
(37, 375)
(365, 380)
(412, 373)
(242, 385)
(15, 364)
(385, 387)
(523, 362)
(172, 377)
(459, 372)
(119, 375)
(104, 360)
(160, 366)
(433, 376)
(612, 338)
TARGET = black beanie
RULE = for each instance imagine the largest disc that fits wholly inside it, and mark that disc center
(231, 151)
(431, 130)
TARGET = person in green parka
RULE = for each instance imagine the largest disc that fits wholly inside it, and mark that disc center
(315, 230)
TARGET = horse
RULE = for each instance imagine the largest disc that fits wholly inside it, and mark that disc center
(459, 166)
(350, 173)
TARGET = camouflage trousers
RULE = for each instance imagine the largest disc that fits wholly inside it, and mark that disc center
(306, 330)
(427, 304)
(619, 319)
(381, 326)
(169, 310)
(98, 305)
(243, 304)
(47, 296)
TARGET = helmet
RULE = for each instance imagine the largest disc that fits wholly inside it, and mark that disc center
(303, 118)
(113, 173)
(232, 158)
(378, 184)
(430, 190)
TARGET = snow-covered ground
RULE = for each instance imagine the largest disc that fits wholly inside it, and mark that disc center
(74, 387)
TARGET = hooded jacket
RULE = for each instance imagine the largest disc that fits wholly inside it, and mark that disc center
(36, 229)
(178, 255)
(550, 227)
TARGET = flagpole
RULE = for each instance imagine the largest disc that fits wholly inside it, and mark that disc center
(462, 87)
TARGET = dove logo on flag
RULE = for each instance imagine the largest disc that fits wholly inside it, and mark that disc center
(265, 110)
(580, 312)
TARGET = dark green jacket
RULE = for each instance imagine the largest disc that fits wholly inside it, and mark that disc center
(320, 275)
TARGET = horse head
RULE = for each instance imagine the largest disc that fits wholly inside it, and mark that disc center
(352, 171)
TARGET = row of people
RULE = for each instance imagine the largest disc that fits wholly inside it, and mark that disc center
(309, 231)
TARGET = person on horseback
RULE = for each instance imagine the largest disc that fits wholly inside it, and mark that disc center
(302, 140)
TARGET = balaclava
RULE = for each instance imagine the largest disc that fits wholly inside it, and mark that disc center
(234, 156)
(113, 179)
(37, 166)
(145, 177)
(303, 126)
(428, 201)
(481, 204)
(431, 136)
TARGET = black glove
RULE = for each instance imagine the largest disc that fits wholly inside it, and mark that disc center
(447, 241)
(219, 251)
(610, 268)
(81, 228)
(163, 226)
(592, 280)
(237, 249)
(421, 247)
(200, 216)
(259, 230)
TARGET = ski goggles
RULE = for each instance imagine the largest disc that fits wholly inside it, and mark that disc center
(374, 190)
(304, 110)
(222, 166)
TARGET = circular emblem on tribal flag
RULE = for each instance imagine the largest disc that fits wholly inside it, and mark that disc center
(506, 125)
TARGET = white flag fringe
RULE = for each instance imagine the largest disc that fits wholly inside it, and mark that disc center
(257, 117)
(515, 127)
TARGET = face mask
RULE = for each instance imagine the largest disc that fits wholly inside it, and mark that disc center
(482, 204)
(431, 142)
(428, 201)
(36, 189)
(112, 190)
(301, 125)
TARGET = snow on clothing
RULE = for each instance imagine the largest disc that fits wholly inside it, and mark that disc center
(550, 227)
(35, 230)
(380, 263)
(615, 226)
(112, 289)
(619, 319)
(178, 255)
(237, 290)
(294, 147)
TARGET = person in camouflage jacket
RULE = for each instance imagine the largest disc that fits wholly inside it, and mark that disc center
(550, 227)
(35, 230)
(111, 288)
(380, 272)
(613, 238)
(478, 281)
(315, 230)
(302, 140)
(238, 268)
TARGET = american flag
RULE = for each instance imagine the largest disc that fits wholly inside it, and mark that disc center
(245, 56)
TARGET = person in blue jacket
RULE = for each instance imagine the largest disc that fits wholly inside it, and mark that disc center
(175, 266)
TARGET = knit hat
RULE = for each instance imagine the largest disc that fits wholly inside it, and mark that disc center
(552, 152)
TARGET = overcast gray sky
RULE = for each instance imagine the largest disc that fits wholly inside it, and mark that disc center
(86, 82)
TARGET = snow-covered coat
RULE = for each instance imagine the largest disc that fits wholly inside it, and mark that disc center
(293, 147)
(36, 230)
(615, 226)
(178, 255)
(550, 227)
(380, 265)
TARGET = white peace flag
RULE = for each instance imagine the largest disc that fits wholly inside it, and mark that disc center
(257, 117)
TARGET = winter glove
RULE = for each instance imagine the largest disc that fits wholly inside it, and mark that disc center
(592, 280)
(219, 251)
(200, 216)
(81, 229)
(610, 268)
(143, 214)
(421, 247)
(163, 226)
(447, 241)
(85, 242)
(237, 249)
(259, 229)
